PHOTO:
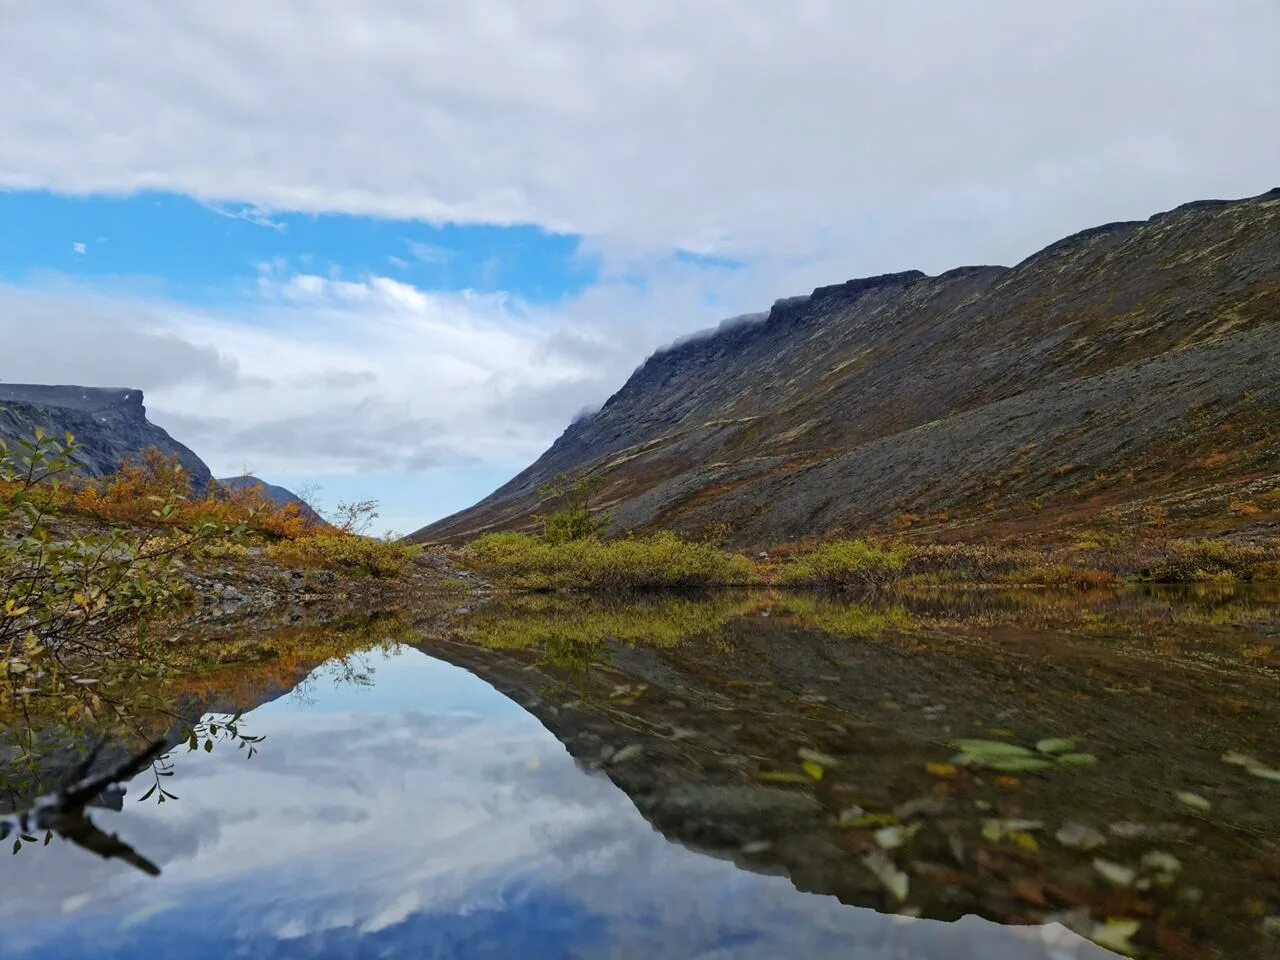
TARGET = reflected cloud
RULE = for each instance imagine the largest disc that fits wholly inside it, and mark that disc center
(446, 820)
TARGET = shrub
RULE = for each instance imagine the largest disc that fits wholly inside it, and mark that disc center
(844, 563)
(1191, 561)
(133, 493)
(574, 519)
(663, 560)
(361, 556)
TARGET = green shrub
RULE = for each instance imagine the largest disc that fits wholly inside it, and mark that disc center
(361, 556)
(844, 563)
(574, 520)
(663, 560)
(1194, 561)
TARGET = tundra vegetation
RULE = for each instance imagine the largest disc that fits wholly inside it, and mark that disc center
(572, 553)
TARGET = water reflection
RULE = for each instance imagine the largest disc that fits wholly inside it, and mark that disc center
(1107, 760)
(423, 814)
(1025, 757)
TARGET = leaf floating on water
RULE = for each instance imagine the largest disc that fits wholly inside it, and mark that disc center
(1078, 836)
(944, 771)
(821, 759)
(1116, 934)
(1266, 773)
(814, 770)
(1157, 861)
(1056, 745)
(890, 838)
(1239, 759)
(1115, 873)
(1194, 801)
(849, 814)
(1128, 830)
(1017, 764)
(887, 872)
(990, 748)
(1077, 759)
(1024, 841)
(779, 776)
(995, 830)
(871, 820)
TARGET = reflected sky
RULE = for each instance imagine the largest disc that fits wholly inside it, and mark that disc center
(426, 815)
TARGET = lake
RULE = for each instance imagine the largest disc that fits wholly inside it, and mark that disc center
(979, 774)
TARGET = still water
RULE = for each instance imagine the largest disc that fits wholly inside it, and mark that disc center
(747, 776)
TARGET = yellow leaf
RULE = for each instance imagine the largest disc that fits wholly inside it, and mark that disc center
(814, 770)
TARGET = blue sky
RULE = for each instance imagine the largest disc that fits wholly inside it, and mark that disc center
(396, 248)
(173, 252)
(209, 253)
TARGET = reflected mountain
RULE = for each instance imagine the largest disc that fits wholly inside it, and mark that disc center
(818, 737)
(1094, 762)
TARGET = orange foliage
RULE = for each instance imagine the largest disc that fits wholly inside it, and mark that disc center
(137, 491)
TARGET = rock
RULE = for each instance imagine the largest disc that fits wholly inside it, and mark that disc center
(109, 424)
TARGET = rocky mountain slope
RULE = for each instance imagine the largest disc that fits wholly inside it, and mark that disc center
(1131, 369)
(280, 496)
(108, 424)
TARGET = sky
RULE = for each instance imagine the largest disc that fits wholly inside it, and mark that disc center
(394, 248)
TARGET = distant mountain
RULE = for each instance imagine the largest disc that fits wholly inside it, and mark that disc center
(278, 495)
(108, 424)
(1131, 367)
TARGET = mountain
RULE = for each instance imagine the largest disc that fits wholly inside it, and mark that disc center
(278, 495)
(1126, 369)
(108, 424)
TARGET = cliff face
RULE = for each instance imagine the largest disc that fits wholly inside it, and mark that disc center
(1124, 367)
(108, 424)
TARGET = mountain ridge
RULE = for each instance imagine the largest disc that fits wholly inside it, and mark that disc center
(108, 423)
(873, 358)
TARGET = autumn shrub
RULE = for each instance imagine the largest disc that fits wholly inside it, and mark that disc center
(842, 563)
(134, 491)
(662, 560)
(329, 550)
(967, 563)
(1192, 561)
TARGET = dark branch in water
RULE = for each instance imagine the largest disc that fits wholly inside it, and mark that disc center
(64, 810)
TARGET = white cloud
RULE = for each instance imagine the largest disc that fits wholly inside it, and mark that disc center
(874, 135)
(325, 375)
(78, 248)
